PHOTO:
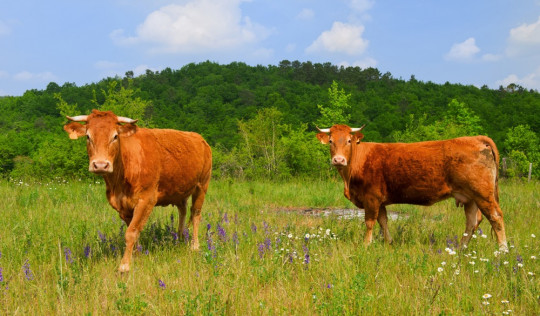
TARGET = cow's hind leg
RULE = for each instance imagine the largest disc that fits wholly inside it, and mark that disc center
(197, 200)
(383, 222)
(471, 211)
(492, 211)
(182, 210)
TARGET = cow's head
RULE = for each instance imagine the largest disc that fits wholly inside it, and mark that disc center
(341, 139)
(102, 131)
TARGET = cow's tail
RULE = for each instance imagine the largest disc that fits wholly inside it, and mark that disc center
(495, 152)
(496, 157)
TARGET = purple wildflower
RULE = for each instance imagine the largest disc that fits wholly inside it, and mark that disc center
(0, 254)
(67, 255)
(519, 259)
(291, 258)
(139, 248)
(253, 228)
(87, 251)
(174, 235)
(102, 236)
(266, 227)
(306, 254)
(27, 272)
(210, 243)
(208, 226)
(225, 218)
(329, 286)
(267, 243)
(1, 276)
(162, 284)
(221, 233)
(480, 232)
(261, 250)
(235, 238)
(185, 233)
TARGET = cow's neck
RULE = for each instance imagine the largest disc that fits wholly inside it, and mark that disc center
(116, 178)
(345, 174)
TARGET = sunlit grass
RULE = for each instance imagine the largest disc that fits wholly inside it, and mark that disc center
(61, 245)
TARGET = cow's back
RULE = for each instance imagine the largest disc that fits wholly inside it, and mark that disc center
(425, 172)
(175, 161)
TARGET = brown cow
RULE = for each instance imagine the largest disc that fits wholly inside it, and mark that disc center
(143, 168)
(377, 175)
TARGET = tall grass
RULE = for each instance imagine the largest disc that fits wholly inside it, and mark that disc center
(61, 245)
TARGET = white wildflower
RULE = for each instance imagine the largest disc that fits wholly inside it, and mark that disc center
(486, 296)
(440, 269)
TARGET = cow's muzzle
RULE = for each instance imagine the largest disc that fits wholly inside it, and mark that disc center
(339, 161)
(100, 166)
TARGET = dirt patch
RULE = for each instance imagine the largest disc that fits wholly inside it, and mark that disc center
(340, 213)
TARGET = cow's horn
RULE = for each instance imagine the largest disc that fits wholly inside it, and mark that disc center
(357, 129)
(122, 119)
(78, 118)
(323, 130)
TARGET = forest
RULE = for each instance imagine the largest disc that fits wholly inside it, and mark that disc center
(261, 120)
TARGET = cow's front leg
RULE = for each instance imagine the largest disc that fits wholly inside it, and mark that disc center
(140, 216)
(371, 215)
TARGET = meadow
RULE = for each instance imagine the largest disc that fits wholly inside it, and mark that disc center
(61, 244)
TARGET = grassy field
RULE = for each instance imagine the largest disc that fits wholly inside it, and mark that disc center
(61, 245)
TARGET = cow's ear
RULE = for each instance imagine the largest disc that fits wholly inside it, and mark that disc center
(75, 130)
(357, 137)
(323, 138)
(127, 129)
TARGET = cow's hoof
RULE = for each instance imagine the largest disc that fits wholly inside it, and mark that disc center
(123, 268)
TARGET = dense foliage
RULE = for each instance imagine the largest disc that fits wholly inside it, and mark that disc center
(260, 121)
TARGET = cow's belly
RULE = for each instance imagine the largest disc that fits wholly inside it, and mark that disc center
(419, 194)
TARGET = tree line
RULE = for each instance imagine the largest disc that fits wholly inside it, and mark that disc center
(260, 120)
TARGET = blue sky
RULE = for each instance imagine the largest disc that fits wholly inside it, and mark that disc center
(478, 42)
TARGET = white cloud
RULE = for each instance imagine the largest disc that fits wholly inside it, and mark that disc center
(529, 81)
(524, 40)
(526, 33)
(196, 26)
(361, 5)
(463, 51)
(29, 76)
(342, 38)
(305, 14)
(491, 57)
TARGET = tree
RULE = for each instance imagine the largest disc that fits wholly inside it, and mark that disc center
(335, 112)
(522, 148)
(261, 148)
(458, 121)
(124, 102)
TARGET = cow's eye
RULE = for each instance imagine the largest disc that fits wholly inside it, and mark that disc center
(330, 141)
(87, 137)
(115, 137)
(349, 141)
